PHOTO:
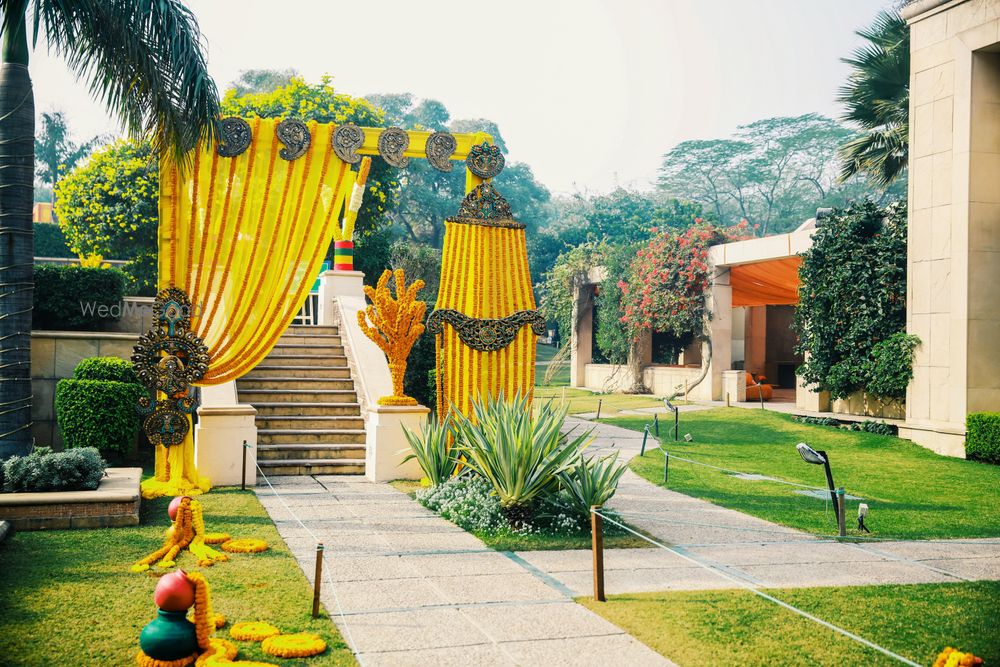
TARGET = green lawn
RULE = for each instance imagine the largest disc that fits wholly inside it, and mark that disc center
(67, 597)
(735, 627)
(582, 401)
(537, 542)
(544, 355)
(911, 491)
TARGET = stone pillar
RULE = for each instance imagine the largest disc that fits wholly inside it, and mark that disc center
(720, 327)
(386, 444)
(582, 340)
(734, 385)
(223, 426)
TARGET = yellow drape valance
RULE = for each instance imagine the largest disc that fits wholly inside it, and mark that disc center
(245, 236)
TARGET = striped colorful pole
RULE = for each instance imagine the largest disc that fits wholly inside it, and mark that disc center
(343, 255)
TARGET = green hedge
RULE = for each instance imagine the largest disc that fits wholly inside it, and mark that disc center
(63, 292)
(43, 470)
(50, 241)
(982, 436)
(98, 413)
(106, 368)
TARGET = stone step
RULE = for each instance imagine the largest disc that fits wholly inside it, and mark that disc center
(313, 467)
(326, 436)
(272, 370)
(322, 451)
(310, 422)
(340, 360)
(283, 409)
(305, 330)
(253, 396)
(306, 349)
(286, 383)
(309, 339)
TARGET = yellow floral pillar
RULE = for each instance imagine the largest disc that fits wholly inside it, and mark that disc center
(485, 321)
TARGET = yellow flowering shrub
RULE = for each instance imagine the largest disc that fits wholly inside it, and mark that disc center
(952, 657)
(107, 207)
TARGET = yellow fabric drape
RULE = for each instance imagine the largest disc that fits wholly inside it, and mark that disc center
(484, 274)
(244, 237)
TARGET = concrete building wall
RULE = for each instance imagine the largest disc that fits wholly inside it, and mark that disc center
(953, 303)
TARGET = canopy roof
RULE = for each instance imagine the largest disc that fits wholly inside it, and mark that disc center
(772, 282)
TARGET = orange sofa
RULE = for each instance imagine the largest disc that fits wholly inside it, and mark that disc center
(757, 391)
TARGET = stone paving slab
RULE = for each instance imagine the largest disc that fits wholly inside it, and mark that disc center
(416, 590)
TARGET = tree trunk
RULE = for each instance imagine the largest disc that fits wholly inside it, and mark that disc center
(635, 359)
(17, 162)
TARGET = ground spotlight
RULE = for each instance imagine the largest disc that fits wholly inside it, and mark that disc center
(862, 513)
(687, 437)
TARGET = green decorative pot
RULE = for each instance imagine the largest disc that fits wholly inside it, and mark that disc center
(169, 636)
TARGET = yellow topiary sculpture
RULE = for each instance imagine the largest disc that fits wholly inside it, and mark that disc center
(395, 324)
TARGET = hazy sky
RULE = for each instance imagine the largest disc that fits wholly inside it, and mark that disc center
(590, 93)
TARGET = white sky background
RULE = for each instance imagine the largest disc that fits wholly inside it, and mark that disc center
(590, 93)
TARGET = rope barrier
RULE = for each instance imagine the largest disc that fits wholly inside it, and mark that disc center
(766, 596)
(336, 598)
(674, 457)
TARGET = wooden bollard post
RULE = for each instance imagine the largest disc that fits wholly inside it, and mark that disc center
(597, 544)
(318, 580)
(599, 402)
(666, 465)
(645, 434)
(841, 519)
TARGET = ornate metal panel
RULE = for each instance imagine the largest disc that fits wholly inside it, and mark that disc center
(485, 206)
(485, 160)
(295, 135)
(347, 139)
(169, 358)
(486, 335)
(234, 137)
(392, 142)
(440, 147)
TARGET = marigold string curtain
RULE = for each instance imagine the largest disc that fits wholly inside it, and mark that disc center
(771, 283)
(245, 237)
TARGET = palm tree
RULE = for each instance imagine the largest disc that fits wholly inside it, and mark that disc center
(144, 60)
(877, 96)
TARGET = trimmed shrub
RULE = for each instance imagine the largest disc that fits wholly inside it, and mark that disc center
(45, 470)
(98, 413)
(69, 297)
(982, 436)
(106, 368)
(891, 367)
(50, 241)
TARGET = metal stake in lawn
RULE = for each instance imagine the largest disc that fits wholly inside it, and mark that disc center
(597, 546)
(599, 401)
(243, 483)
(656, 424)
(671, 406)
(666, 466)
(319, 578)
(645, 434)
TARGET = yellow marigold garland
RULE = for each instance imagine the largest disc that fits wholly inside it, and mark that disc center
(217, 538)
(248, 545)
(253, 631)
(143, 660)
(187, 531)
(299, 645)
(395, 324)
(952, 657)
(219, 650)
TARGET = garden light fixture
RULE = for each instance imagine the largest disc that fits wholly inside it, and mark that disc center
(820, 457)
(862, 513)
(673, 408)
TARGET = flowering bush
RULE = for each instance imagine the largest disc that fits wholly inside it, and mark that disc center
(667, 283)
(951, 657)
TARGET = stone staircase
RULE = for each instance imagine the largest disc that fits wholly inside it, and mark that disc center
(308, 418)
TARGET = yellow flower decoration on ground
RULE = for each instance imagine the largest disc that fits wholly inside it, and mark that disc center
(187, 532)
(952, 657)
(144, 660)
(221, 653)
(246, 545)
(253, 631)
(396, 323)
(299, 645)
(217, 538)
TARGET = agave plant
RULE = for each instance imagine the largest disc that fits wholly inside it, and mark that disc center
(591, 482)
(521, 455)
(431, 450)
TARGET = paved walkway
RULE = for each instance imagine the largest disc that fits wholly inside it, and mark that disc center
(417, 590)
(749, 549)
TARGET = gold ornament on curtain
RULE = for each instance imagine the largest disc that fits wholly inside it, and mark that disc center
(485, 319)
(243, 233)
(395, 325)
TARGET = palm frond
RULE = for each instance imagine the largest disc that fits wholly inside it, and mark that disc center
(143, 59)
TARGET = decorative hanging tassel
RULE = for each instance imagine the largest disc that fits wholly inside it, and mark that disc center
(343, 248)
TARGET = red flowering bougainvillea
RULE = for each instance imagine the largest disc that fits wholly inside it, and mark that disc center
(667, 284)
